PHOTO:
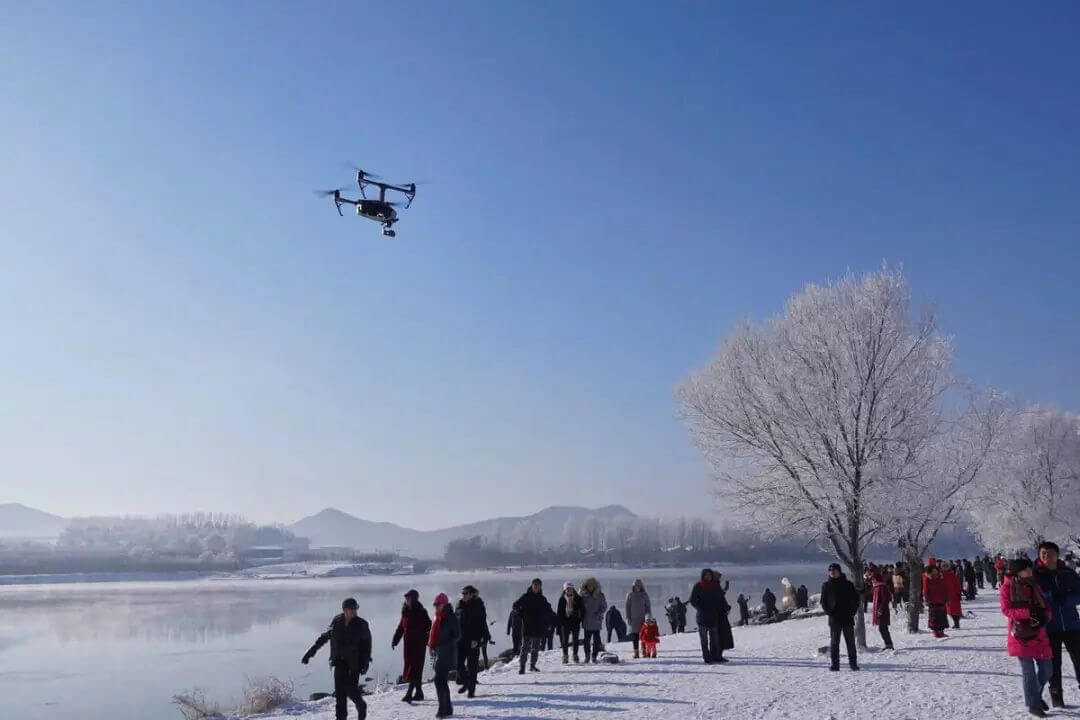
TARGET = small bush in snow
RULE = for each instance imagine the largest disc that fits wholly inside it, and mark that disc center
(194, 705)
(264, 694)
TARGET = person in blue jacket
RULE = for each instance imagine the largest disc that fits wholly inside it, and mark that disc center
(1061, 586)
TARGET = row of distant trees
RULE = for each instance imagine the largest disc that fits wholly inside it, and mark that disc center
(623, 540)
(841, 418)
(187, 541)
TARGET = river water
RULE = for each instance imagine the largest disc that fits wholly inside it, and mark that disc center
(120, 650)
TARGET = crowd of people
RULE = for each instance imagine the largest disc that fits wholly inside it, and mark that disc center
(1039, 599)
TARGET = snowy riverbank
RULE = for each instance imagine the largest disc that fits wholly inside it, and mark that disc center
(775, 672)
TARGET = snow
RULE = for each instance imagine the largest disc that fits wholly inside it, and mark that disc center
(775, 672)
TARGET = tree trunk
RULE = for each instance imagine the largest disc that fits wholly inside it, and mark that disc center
(860, 617)
(915, 598)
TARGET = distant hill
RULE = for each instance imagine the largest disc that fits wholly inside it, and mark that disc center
(19, 521)
(334, 527)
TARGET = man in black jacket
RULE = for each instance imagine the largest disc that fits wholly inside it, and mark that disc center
(535, 612)
(472, 621)
(708, 598)
(350, 656)
(840, 601)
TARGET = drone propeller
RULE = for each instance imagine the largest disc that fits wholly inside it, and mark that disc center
(363, 173)
(329, 193)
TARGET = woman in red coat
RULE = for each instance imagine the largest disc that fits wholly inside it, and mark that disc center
(414, 626)
(936, 595)
(955, 589)
(1023, 603)
(882, 596)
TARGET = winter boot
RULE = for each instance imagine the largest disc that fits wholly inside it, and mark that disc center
(534, 668)
(1037, 711)
(408, 697)
(1057, 701)
(636, 654)
(576, 658)
(418, 696)
(565, 658)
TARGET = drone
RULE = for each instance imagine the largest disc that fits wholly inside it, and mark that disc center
(382, 210)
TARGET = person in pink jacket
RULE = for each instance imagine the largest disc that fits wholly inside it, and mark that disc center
(1023, 603)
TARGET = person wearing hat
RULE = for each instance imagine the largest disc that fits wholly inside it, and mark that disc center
(840, 601)
(414, 627)
(443, 643)
(535, 613)
(472, 619)
(1023, 603)
(568, 617)
(350, 657)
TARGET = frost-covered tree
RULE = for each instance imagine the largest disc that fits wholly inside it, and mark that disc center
(937, 482)
(799, 418)
(1034, 493)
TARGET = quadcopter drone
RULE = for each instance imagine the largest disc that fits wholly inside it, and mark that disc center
(382, 210)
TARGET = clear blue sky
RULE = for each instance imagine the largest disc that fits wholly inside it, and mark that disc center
(183, 325)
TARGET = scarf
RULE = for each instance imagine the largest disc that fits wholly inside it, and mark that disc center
(433, 638)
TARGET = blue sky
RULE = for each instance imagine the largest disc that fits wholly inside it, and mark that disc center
(613, 185)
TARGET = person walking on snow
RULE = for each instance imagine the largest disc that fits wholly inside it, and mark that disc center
(443, 644)
(980, 573)
(936, 594)
(882, 596)
(350, 656)
(954, 589)
(770, 603)
(707, 598)
(414, 628)
(535, 612)
(594, 606)
(969, 580)
(569, 613)
(1022, 602)
(638, 607)
(1061, 587)
(474, 633)
(650, 637)
(744, 609)
(802, 598)
(676, 615)
(615, 623)
(513, 629)
(840, 601)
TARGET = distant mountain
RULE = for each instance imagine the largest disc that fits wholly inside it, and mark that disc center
(19, 521)
(334, 527)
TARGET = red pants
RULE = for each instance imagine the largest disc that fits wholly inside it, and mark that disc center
(648, 649)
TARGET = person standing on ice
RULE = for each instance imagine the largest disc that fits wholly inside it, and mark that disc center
(535, 612)
(840, 601)
(769, 600)
(1022, 602)
(1061, 587)
(744, 609)
(594, 605)
(443, 644)
(414, 628)
(707, 598)
(936, 594)
(569, 613)
(614, 622)
(350, 656)
(638, 607)
(882, 596)
(980, 574)
(954, 588)
(473, 626)
(969, 579)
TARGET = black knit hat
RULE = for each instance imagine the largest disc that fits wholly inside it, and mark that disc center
(835, 566)
(349, 604)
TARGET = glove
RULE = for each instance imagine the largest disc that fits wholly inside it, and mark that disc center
(306, 658)
(393, 646)
(474, 644)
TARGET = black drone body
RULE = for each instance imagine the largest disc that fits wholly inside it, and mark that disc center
(382, 210)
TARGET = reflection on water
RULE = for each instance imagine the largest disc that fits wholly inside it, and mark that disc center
(120, 650)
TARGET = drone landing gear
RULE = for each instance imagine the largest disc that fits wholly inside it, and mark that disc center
(387, 232)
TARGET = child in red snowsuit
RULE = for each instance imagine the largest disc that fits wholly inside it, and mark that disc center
(650, 637)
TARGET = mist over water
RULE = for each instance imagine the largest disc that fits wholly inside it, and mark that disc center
(119, 651)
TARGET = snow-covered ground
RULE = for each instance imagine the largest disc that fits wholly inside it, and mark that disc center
(775, 672)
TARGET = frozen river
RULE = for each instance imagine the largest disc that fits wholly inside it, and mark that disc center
(119, 650)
